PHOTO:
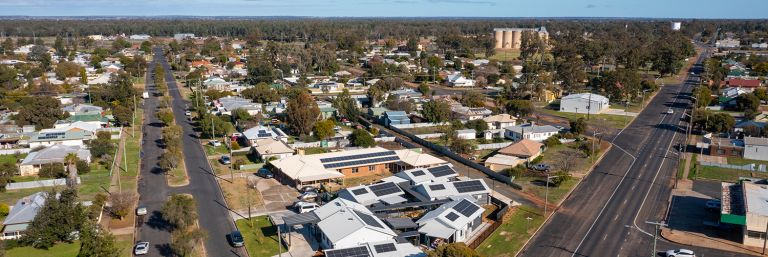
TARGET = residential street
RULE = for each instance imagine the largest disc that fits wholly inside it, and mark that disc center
(606, 214)
(214, 216)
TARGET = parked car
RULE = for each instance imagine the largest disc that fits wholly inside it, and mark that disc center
(141, 248)
(305, 189)
(264, 173)
(541, 167)
(670, 111)
(225, 159)
(302, 206)
(680, 253)
(188, 113)
(308, 196)
(236, 239)
(214, 143)
(713, 204)
(141, 211)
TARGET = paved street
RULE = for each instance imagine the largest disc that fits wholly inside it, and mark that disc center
(214, 217)
(606, 214)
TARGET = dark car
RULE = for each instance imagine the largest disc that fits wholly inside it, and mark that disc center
(236, 239)
(264, 173)
(541, 167)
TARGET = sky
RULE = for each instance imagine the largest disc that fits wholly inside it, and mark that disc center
(755, 9)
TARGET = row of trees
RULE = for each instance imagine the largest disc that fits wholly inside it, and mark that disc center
(180, 211)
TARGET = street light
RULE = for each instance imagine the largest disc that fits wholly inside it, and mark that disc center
(594, 136)
(546, 194)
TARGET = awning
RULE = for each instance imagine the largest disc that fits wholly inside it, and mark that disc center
(15, 228)
(395, 199)
(435, 229)
(301, 218)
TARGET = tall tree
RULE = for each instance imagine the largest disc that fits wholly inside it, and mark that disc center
(436, 111)
(56, 220)
(40, 111)
(346, 105)
(325, 129)
(302, 112)
(362, 138)
(96, 241)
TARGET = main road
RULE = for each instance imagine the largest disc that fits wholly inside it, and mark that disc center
(606, 214)
(214, 215)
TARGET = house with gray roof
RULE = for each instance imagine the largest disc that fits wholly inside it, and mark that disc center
(21, 215)
(226, 105)
(70, 138)
(584, 103)
(343, 223)
(76, 109)
(387, 193)
(395, 118)
(452, 222)
(54, 154)
(389, 248)
(475, 189)
(756, 148)
(530, 131)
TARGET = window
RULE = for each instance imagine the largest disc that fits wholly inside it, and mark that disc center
(354, 170)
(755, 234)
(371, 167)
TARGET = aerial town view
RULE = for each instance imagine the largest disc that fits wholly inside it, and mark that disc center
(375, 128)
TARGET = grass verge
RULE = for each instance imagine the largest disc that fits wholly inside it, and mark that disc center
(260, 238)
(510, 236)
(237, 194)
(58, 250)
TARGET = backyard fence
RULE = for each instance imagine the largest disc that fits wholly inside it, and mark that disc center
(15, 151)
(418, 125)
(493, 146)
(747, 167)
(38, 183)
(428, 136)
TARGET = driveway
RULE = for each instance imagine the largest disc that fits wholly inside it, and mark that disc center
(277, 197)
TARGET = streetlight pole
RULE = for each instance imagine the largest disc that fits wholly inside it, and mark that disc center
(656, 234)
(594, 136)
(546, 195)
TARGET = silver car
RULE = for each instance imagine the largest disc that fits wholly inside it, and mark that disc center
(680, 253)
(141, 248)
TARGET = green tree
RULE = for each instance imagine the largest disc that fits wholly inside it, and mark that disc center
(578, 126)
(165, 116)
(346, 105)
(83, 76)
(96, 241)
(325, 129)
(122, 203)
(7, 171)
(52, 170)
(146, 46)
(67, 70)
(4, 210)
(261, 93)
(453, 250)
(40, 111)
(56, 220)
(478, 125)
(462, 146)
(7, 46)
(424, 89)
(183, 242)
(170, 159)
(102, 145)
(747, 102)
(436, 111)
(241, 114)
(520, 108)
(473, 99)
(302, 112)
(180, 211)
(703, 95)
(123, 115)
(362, 138)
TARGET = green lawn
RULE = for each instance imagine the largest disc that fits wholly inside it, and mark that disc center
(505, 55)
(58, 250)
(510, 236)
(132, 153)
(536, 186)
(211, 150)
(261, 239)
(178, 176)
(729, 175)
(616, 121)
(94, 182)
(11, 158)
(125, 244)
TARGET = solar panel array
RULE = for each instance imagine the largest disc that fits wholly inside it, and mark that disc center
(51, 135)
(384, 248)
(466, 208)
(360, 191)
(418, 173)
(264, 135)
(441, 171)
(368, 219)
(469, 186)
(357, 156)
(360, 251)
(360, 162)
(436, 187)
(452, 216)
(384, 189)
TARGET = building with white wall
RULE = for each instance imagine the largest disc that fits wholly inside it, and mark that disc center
(584, 103)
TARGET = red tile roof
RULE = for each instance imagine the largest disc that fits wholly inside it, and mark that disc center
(748, 83)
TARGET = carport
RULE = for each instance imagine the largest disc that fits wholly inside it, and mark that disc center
(307, 218)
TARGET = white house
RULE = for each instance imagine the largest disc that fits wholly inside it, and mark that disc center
(22, 214)
(383, 193)
(458, 80)
(466, 133)
(756, 148)
(228, 104)
(584, 103)
(54, 154)
(530, 131)
(270, 148)
(455, 221)
(344, 223)
(70, 138)
(139, 37)
(262, 132)
(500, 121)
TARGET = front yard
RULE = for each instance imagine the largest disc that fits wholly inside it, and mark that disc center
(509, 238)
(615, 121)
(260, 238)
(58, 250)
(238, 194)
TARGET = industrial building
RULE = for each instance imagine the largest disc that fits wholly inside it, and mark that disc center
(676, 25)
(511, 38)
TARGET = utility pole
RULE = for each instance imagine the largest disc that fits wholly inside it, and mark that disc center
(546, 195)
(656, 234)
(279, 243)
(765, 238)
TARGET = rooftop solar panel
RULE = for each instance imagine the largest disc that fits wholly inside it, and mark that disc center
(441, 171)
(357, 156)
(466, 208)
(383, 248)
(469, 186)
(418, 173)
(360, 251)
(360, 191)
(452, 216)
(436, 187)
(360, 162)
(384, 189)
(368, 219)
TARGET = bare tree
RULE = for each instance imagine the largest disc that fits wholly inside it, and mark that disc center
(566, 160)
(122, 203)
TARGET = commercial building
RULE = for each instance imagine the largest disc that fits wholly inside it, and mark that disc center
(511, 38)
(746, 205)
(756, 148)
(584, 103)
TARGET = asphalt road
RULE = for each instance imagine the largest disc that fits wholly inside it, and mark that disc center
(214, 217)
(606, 214)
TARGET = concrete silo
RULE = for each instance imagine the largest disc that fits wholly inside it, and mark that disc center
(517, 38)
(508, 35)
(498, 35)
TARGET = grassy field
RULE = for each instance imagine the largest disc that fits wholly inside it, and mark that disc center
(132, 153)
(12, 158)
(510, 236)
(58, 250)
(125, 244)
(237, 194)
(94, 182)
(261, 238)
(536, 186)
(505, 55)
(211, 150)
(616, 121)
(725, 174)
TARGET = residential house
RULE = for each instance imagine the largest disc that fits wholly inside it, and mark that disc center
(326, 110)
(435, 174)
(466, 134)
(69, 138)
(726, 147)
(470, 113)
(530, 131)
(252, 135)
(54, 154)
(343, 223)
(21, 215)
(182, 36)
(474, 189)
(584, 103)
(500, 162)
(727, 43)
(756, 148)
(395, 118)
(455, 221)
(216, 83)
(747, 84)
(226, 105)
(518, 153)
(500, 121)
(80, 109)
(385, 193)
(458, 80)
(390, 248)
(268, 149)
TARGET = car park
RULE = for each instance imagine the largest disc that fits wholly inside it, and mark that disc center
(236, 239)
(141, 248)
(680, 253)
(225, 159)
(141, 211)
(265, 173)
(302, 206)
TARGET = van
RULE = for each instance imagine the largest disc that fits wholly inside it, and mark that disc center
(303, 207)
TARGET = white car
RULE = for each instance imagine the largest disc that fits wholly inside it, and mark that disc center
(188, 113)
(141, 248)
(214, 143)
(141, 211)
(670, 111)
(302, 207)
(680, 253)
(308, 196)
